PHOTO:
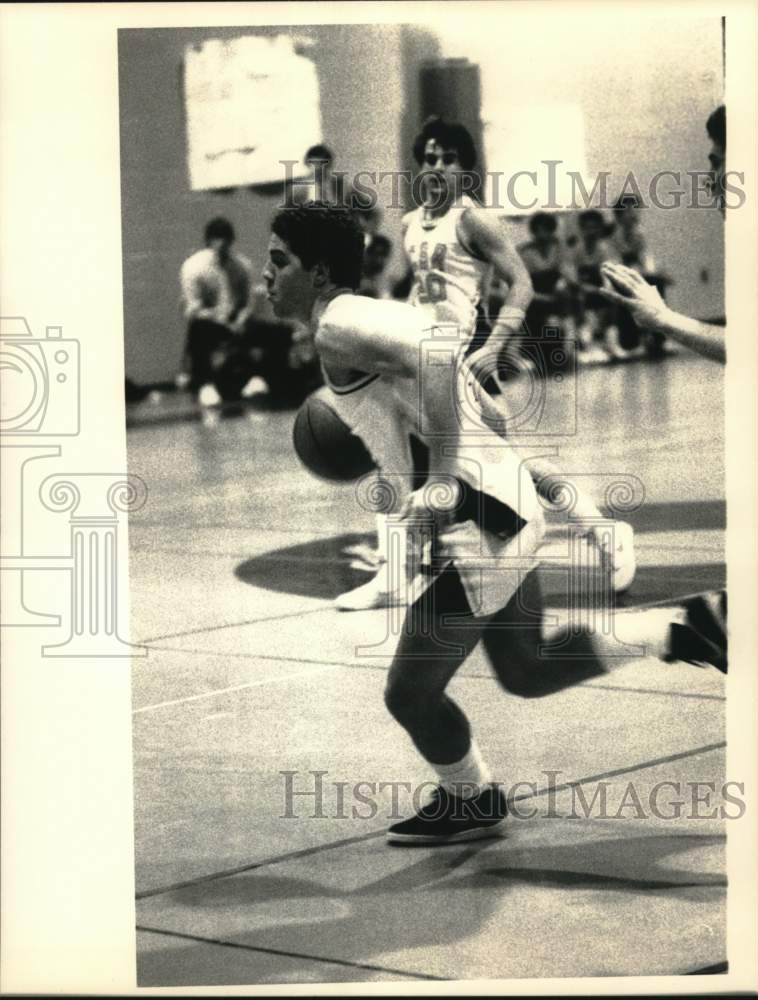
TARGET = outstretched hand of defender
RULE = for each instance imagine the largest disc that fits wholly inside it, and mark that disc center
(628, 288)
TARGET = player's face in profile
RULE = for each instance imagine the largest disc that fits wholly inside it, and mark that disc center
(439, 173)
(717, 160)
(288, 284)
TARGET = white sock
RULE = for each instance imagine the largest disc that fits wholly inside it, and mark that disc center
(465, 777)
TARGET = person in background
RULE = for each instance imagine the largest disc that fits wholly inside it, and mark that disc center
(626, 287)
(215, 288)
(235, 346)
(321, 183)
(375, 257)
(627, 237)
(631, 247)
(545, 259)
(597, 320)
(698, 633)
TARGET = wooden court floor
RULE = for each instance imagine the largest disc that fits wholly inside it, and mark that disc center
(266, 767)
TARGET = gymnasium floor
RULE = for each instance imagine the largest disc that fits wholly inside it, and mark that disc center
(251, 672)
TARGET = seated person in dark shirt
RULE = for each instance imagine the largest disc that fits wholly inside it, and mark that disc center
(232, 335)
(546, 261)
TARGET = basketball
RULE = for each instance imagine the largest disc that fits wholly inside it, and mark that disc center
(326, 446)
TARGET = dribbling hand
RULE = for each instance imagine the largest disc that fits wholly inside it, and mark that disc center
(428, 512)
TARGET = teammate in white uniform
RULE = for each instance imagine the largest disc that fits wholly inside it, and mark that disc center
(373, 354)
(453, 247)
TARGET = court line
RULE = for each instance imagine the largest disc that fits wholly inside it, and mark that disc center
(302, 852)
(289, 954)
(353, 665)
(681, 755)
(219, 628)
(321, 668)
(245, 526)
(673, 602)
(672, 694)
(374, 834)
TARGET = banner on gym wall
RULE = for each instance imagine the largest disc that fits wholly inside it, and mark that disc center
(250, 103)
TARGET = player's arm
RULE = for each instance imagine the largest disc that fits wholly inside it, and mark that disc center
(358, 336)
(405, 282)
(363, 335)
(644, 302)
(484, 235)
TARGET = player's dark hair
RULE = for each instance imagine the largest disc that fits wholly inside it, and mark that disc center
(544, 219)
(381, 242)
(450, 135)
(716, 126)
(219, 229)
(591, 215)
(625, 201)
(320, 233)
(319, 152)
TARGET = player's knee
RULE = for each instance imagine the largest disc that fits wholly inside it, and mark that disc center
(403, 702)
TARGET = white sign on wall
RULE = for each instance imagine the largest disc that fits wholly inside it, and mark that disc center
(250, 103)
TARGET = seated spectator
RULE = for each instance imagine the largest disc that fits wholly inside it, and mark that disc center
(631, 247)
(597, 323)
(627, 238)
(232, 335)
(545, 258)
(215, 284)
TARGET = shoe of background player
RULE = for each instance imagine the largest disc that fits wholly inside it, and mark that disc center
(450, 819)
(592, 355)
(377, 593)
(208, 395)
(619, 560)
(612, 344)
(255, 386)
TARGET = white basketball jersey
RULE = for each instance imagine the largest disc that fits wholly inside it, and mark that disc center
(448, 281)
(384, 411)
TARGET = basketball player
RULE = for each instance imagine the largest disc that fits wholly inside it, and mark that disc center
(642, 299)
(481, 582)
(453, 247)
(698, 633)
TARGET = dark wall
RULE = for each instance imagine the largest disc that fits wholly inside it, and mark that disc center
(369, 107)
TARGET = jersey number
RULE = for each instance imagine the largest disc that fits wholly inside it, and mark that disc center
(432, 287)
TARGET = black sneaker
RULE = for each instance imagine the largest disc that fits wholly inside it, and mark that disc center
(703, 639)
(449, 819)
